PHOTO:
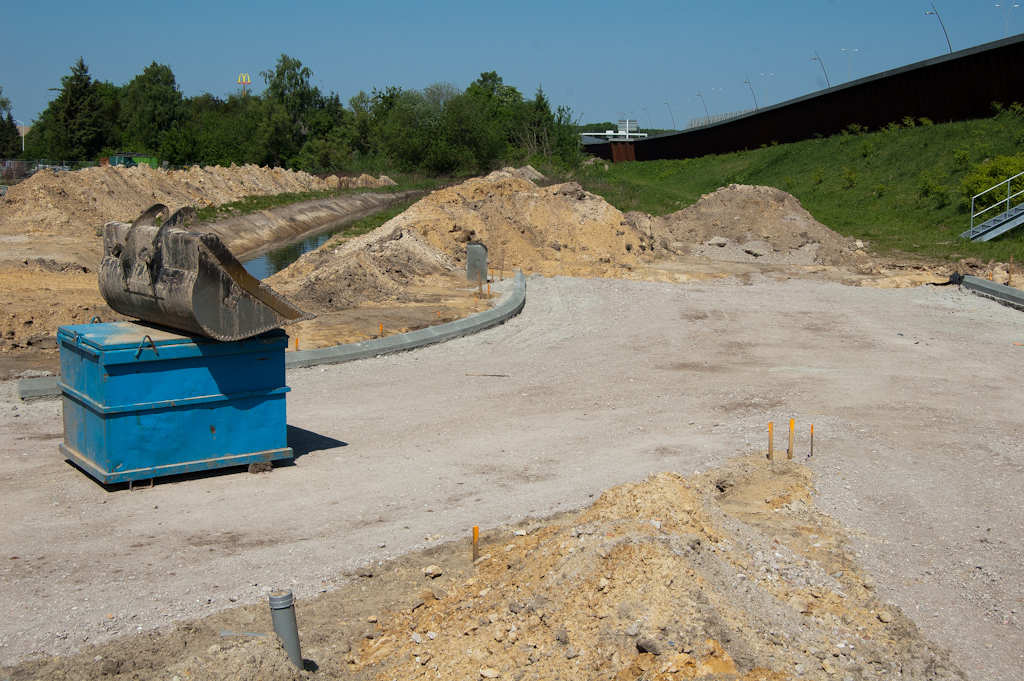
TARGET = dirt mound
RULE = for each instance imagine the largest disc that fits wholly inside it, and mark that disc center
(730, 574)
(376, 267)
(76, 203)
(560, 229)
(742, 223)
(364, 180)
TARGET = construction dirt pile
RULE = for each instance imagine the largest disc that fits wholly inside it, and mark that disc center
(79, 202)
(556, 230)
(742, 223)
(729, 574)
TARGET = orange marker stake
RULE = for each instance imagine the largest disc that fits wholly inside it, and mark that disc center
(381, 329)
(771, 444)
(789, 452)
(812, 441)
(476, 539)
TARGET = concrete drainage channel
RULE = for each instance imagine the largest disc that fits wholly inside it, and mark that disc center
(509, 306)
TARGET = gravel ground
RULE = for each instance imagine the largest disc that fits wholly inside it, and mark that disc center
(914, 394)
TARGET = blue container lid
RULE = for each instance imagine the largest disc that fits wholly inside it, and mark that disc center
(127, 341)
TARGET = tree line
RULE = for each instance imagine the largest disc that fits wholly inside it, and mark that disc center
(440, 129)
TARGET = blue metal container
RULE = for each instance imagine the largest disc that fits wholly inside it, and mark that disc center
(141, 401)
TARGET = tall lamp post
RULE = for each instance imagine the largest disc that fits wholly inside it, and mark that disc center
(707, 116)
(648, 116)
(767, 76)
(943, 25)
(849, 60)
(23, 126)
(817, 58)
(670, 113)
(1006, 18)
(747, 81)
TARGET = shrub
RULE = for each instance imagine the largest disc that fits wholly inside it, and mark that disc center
(850, 176)
(987, 174)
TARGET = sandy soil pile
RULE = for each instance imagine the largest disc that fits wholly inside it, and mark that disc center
(742, 223)
(560, 229)
(78, 202)
(730, 574)
(658, 580)
(364, 180)
(557, 230)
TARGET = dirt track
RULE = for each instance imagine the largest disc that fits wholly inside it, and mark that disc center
(914, 395)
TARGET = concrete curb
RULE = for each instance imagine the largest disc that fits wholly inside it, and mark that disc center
(507, 308)
(48, 387)
(1006, 295)
(42, 388)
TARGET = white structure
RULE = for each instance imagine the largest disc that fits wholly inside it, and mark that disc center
(627, 131)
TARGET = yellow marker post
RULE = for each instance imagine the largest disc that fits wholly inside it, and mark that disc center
(789, 452)
(382, 329)
(812, 439)
(771, 443)
(476, 539)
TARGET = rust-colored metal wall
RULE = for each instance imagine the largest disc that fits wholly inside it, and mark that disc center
(623, 151)
(955, 87)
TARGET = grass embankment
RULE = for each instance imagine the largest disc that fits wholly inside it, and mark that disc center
(905, 189)
(253, 204)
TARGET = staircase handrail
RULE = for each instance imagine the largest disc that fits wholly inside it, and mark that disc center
(1009, 197)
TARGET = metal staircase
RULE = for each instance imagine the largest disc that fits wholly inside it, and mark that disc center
(1002, 216)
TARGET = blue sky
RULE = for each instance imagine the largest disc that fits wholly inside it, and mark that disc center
(598, 58)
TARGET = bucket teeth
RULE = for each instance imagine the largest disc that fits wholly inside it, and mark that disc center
(156, 270)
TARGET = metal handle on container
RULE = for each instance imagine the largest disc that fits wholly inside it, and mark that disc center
(142, 346)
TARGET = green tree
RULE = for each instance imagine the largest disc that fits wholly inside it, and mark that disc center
(151, 105)
(72, 126)
(80, 114)
(10, 144)
(288, 84)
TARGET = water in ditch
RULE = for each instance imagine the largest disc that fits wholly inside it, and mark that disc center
(276, 259)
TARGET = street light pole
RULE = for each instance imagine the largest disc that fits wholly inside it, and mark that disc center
(1006, 18)
(747, 81)
(23, 126)
(943, 25)
(818, 59)
(648, 116)
(766, 77)
(671, 114)
(849, 60)
(707, 116)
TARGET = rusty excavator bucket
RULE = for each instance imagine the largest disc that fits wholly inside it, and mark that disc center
(158, 271)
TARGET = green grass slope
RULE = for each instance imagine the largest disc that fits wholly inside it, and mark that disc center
(905, 189)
